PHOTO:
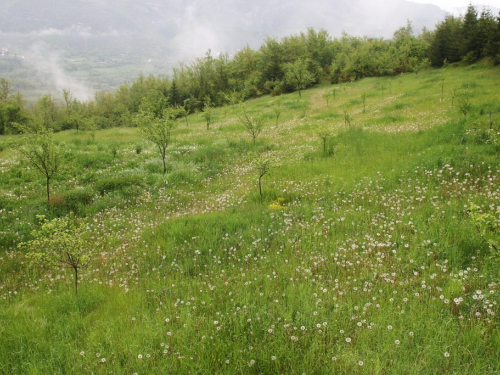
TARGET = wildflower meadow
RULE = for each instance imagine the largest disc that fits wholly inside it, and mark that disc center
(367, 246)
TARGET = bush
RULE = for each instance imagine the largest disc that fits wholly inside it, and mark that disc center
(76, 200)
(56, 201)
(180, 177)
(108, 185)
(6, 204)
(94, 160)
(156, 167)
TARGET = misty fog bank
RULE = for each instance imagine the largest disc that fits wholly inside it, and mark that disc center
(154, 36)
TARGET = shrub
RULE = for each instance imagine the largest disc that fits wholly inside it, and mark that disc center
(56, 201)
(75, 200)
(94, 160)
(155, 167)
(108, 185)
(6, 204)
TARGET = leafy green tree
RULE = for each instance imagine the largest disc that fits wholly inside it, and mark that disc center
(207, 111)
(277, 110)
(235, 98)
(47, 111)
(271, 59)
(191, 104)
(328, 142)
(262, 165)
(61, 242)
(182, 112)
(326, 96)
(252, 125)
(319, 46)
(74, 111)
(10, 113)
(324, 135)
(346, 110)
(441, 84)
(41, 151)
(298, 75)
(463, 103)
(11, 107)
(5, 89)
(487, 223)
(90, 125)
(157, 130)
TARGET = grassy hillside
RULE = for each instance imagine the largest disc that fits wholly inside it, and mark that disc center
(360, 258)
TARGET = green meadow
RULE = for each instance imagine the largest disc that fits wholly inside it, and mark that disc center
(360, 257)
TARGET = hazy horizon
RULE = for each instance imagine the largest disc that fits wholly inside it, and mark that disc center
(59, 42)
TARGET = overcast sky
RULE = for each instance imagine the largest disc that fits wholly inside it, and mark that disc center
(450, 5)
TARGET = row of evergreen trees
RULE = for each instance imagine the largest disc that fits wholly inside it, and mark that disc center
(218, 80)
(466, 38)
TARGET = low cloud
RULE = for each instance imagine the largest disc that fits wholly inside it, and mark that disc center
(48, 69)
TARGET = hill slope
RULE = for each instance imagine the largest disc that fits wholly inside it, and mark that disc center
(361, 256)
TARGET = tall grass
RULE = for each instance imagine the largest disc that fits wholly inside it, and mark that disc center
(362, 262)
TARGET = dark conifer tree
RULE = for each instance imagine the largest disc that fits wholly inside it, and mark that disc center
(471, 46)
(174, 97)
(446, 42)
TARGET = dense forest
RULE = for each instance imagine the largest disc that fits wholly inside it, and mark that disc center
(280, 66)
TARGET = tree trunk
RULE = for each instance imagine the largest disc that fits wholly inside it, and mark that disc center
(48, 189)
(76, 280)
(260, 187)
